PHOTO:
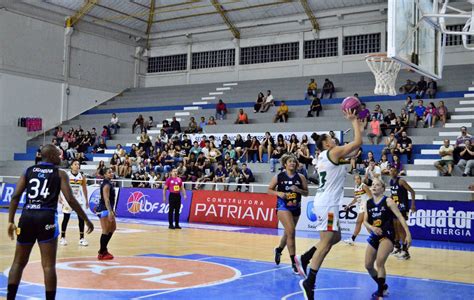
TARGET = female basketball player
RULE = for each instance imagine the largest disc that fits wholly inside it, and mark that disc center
(288, 186)
(175, 185)
(79, 189)
(361, 194)
(106, 214)
(378, 220)
(326, 202)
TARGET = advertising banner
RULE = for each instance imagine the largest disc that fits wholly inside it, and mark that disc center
(6, 193)
(234, 208)
(347, 219)
(148, 204)
(442, 221)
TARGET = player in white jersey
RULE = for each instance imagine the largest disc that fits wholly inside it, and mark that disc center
(326, 202)
(79, 189)
(361, 194)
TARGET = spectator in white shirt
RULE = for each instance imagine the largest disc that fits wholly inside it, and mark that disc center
(114, 124)
(269, 101)
(447, 159)
(371, 172)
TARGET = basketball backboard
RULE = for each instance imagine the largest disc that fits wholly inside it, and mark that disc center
(413, 41)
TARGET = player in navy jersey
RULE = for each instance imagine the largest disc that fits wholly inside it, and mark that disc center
(106, 214)
(379, 214)
(400, 189)
(38, 222)
(288, 186)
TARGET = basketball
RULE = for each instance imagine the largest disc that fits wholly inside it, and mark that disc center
(350, 103)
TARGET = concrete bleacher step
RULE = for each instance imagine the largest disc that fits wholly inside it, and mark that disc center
(471, 89)
(469, 95)
(458, 125)
(230, 84)
(425, 162)
(422, 173)
(184, 113)
(462, 117)
(201, 102)
(420, 185)
(216, 93)
(452, 142)
(449, 133)
(466, 102)
(430, 151)
(191, 108)
(208, 98)
(463, 109)
(223, 89)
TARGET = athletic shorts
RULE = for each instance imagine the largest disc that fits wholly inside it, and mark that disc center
(403, 208)
(67, 209)
(102, 214)
(327, 218)
(361, 208)
(374, 240)
(295, 210)
(37, 225)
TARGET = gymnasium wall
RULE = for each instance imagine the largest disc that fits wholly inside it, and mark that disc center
(333, 23)
(31, 73)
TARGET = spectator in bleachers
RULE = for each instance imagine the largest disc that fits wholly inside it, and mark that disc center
(315, 106)
(100, 170)
(214, 154)
(252, 150)
(230, 152)
(258, 104)
(239, 145)
(211, 121)
(397, 164)
(269, 101)
(328, 88)
(115, 162)
(375, 131)
(419, 112)
(224, 143)
(421, 88)
(408, 88)
(267, 145)
(234, 174)
(312, 88)
(364, 115)
(404, 118)
(150, 123)
(202, 125)
(192, 172)
(442, 114)
(370, 157)
(125, 170)
(466, 159)
(430, 115)
(384, 165)
(461, 142)
(277, 153)
(59, 134)
(334, 138)
(389, 122)
(409, 107)
(221, 110)
(242, 117)
(166, 127)
(404, 146)
(377, 113)
(139, 122)
(246, 176)
(206, 175)
(100, 147)
(192, 126)
(282, 113)
(390, 144)
(186, 144)
(221, 176)
(431, 88)
(293, 144)
(303, 155)
(114, 124)
(447, 160)
(144, 141)
(175, 125)
(372, 172)
(400, 126)
(38, 156)
(355, 160)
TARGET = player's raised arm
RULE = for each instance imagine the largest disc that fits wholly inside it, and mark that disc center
(339, 152)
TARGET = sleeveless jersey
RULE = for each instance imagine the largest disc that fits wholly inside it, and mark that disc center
(380, 215)
(76, 185)
(331, 177)
(360, 195)
(43, 186)
(399, 193)
(284, 182)
(102, 206)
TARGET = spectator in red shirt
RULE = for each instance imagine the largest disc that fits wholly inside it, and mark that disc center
(221, 110)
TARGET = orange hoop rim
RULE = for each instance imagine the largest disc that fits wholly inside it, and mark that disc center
(377, 57)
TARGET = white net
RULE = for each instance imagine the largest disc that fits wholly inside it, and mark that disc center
(385, 71)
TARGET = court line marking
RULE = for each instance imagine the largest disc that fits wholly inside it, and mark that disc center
(24, 296)
(181, 289)
(323, 289)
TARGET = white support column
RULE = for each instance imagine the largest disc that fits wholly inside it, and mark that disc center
(65, 91)
(137, 61)
(301, 52)
(237, 58)
(188, 63)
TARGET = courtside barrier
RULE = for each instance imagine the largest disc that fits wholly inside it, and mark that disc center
(234, 208)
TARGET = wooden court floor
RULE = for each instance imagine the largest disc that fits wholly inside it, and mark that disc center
(136, 239)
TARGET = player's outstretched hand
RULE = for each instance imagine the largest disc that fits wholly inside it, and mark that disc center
(90, 227)
(11, 230)
(350, 114)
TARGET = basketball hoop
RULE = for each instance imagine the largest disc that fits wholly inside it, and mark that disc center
(385, 71)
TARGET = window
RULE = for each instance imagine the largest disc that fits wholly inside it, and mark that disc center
(213, 59)
(167, 63)
(456, 40)
(269, 53)
(320, 48)
(359, 44)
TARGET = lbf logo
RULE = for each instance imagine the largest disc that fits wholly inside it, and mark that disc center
(134, 202)
(134, 273)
